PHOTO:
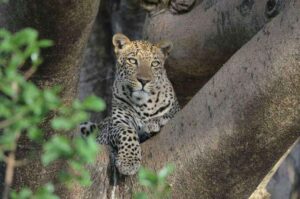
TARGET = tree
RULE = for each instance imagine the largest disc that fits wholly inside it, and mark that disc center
(228, 136)
(240, 123)
(68, 24)
(206, 37)
(237, 126)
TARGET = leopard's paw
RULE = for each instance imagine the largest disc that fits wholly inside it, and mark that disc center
(87, 128)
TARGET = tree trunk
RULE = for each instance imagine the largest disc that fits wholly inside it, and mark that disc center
(235, 128)
(207, 36)
(68, 24)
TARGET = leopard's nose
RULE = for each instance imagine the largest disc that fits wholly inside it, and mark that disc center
(143, 81)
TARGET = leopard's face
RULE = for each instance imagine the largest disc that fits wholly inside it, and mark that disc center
(140, 67)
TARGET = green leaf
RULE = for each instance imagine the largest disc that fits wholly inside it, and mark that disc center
(147, 177)
(94, 103)
(84, 179)
(82, 175)
(22, 124)
(25, 193)
(4, 33)
(34, 133)
(7, 139)
(61, 123)
(50, 96)
(25, 36)
(7, 89)
(87, 150)
(5, 108)
(31, 92)
(66, 178)
(165, 171)
(16, 61)
(47, 192)
(140, 195)
(79, 117)
(45, 43)
(56, 147)
(77, 104)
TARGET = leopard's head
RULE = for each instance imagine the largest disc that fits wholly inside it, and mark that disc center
(140, 66)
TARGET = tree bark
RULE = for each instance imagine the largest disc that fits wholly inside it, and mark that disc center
(240, 123)
(207, 36)
(236, 127)
(68, 24)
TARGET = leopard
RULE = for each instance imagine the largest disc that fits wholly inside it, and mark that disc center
(143, 101)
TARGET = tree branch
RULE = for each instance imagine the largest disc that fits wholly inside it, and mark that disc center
(241, 122)
(10, 166)
(206, 38)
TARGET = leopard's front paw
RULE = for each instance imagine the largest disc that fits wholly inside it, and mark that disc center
(87, 128)
(152, 128)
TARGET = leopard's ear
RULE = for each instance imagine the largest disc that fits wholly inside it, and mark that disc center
(165, 46)
(119, 41)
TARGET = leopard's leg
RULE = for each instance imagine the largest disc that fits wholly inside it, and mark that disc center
(154, 125)
(151, 128)
(128, 151)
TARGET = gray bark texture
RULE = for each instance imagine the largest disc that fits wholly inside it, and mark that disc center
(239, 124)
(68, 23)
(206, 37)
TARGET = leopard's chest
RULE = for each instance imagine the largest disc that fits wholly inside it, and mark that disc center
(143, 107)
(155, 107)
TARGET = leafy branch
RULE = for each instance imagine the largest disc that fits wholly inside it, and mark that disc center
(23, 107)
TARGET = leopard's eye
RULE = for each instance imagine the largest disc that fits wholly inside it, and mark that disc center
(132, 61)
(155, 63)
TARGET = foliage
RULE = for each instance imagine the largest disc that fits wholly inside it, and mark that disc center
(24, 107)
(45, 191)
(155, 183)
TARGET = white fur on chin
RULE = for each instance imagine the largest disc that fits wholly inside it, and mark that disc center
(140, 97)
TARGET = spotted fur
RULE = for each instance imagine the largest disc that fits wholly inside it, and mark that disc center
(143, 101)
